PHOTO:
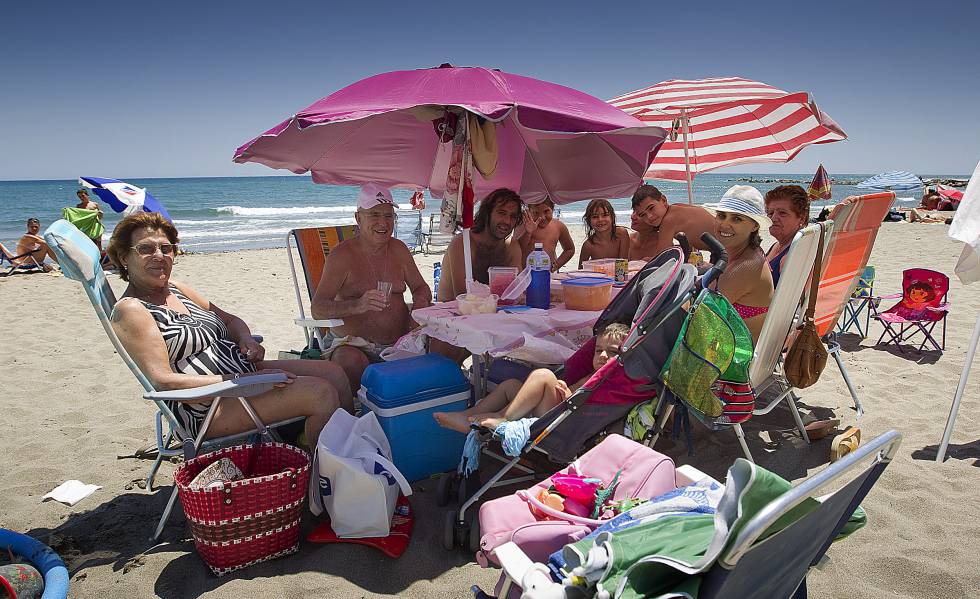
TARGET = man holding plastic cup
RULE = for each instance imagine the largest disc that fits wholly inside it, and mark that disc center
(364, 282)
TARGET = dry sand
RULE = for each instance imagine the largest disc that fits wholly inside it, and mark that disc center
(72, 409)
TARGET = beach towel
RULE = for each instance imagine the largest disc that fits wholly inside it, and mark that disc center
(87, 221)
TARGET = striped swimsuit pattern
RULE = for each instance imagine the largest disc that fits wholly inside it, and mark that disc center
(197, 343)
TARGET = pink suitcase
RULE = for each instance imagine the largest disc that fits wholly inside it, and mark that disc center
(645, 473)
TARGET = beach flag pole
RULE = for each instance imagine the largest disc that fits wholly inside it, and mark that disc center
(965, 228)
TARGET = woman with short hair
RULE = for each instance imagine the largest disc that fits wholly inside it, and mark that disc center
(788, 207)
(180, 340)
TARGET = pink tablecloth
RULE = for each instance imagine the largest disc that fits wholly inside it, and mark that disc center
(538, 336)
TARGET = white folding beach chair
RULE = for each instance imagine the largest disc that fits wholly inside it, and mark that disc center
(79, 259)
(434, 241)
(766, 370)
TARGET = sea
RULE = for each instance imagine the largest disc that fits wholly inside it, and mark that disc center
(218, 214)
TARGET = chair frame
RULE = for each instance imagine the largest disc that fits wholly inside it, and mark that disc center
(7, 255)
(860, 301)
(69, 244)
(312, 327)
(909, 329)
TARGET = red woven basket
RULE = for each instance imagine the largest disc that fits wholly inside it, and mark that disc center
(251, 520)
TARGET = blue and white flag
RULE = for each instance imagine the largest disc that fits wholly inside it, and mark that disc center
(122, 196)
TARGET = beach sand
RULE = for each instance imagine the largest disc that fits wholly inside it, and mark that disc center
(72, 409)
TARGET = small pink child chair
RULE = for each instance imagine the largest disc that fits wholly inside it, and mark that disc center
(922, 306)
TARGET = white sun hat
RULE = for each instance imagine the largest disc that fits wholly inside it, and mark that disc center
(745, 200)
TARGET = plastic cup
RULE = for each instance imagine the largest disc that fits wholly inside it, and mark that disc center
(385, 288)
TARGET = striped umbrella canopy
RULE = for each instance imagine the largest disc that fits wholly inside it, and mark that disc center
(892, 181)
(724, 121)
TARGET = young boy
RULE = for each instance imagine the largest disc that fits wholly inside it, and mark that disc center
(540, 227)
(542, 390)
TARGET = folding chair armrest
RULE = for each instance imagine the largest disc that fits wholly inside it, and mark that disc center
(318, 322)
(524, 572)
(939, 308)
(688, 475)
(890, 296)
(245, 386)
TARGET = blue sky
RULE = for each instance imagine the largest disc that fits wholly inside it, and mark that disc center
(136, 90)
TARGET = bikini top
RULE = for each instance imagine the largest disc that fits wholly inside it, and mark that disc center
(774, 264)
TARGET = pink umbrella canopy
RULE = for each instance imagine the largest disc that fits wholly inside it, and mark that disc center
(547, 140)
(730, 120)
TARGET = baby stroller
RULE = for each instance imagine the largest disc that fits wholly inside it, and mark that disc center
(653, 303)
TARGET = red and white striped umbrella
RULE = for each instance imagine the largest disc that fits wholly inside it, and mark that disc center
(725, 121)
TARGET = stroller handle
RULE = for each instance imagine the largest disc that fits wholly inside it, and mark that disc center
(684, 243)
(719, 259)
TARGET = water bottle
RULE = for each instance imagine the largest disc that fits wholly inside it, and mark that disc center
(436, 274)
(539, 291)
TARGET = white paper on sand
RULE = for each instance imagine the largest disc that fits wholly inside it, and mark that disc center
(966, 228)
(71, 492)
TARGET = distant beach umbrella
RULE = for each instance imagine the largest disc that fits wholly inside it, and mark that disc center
(724, 121)
(463, 132)
(122, 196)
(820, 186)
(892, 181)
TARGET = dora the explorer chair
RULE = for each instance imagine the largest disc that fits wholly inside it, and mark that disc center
(312, 245)
(79, 259)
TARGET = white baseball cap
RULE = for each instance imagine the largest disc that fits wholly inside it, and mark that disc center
(745, 200)
(372, 195)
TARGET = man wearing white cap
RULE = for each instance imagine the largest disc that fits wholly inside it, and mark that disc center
(740, 216)
(656, 223)
(364, 282)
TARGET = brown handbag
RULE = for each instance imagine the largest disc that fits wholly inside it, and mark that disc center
(807, 357)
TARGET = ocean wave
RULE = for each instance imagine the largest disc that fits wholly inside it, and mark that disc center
(298, 210)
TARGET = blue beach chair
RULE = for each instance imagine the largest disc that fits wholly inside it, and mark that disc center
(80, 261)
(858, 307)
(12, 266)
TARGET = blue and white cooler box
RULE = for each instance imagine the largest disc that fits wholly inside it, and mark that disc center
(404, 394)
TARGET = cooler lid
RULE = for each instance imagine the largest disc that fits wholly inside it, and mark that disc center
(587, 281)
(401, 382)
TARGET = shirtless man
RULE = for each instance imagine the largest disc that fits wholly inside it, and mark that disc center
(492, 225)
(540, 227)
(32, 243)
(349, 287)
(666, 220)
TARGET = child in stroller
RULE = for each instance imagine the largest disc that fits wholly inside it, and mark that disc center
(542, 391)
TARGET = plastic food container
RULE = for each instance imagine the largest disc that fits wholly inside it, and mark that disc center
(587, 293)
(606, 266)
(500, 278)
(476, 304)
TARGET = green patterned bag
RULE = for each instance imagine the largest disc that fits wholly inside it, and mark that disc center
(710, 358)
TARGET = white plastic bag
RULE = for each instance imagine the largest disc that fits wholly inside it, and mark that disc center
(356, 484)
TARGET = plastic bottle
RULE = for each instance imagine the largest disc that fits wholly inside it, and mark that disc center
(436, 275)
(539, 291)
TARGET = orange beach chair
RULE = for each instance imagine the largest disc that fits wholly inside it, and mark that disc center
(845, 257)
(312, 245)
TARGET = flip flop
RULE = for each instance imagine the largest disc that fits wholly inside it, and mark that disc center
(845, 443)
(820, 428)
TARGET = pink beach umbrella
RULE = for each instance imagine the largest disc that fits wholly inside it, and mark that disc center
(462, 132)
(726, 121)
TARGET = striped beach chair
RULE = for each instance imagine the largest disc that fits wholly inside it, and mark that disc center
(312, 245)
(851, 240)
(858, 308)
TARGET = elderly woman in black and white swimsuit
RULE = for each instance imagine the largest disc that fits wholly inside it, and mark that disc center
(180, 340)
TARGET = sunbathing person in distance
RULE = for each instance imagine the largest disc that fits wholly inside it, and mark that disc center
(512, 399)
(32, 243)
(180, 340)
(541, 227)
(364, 282)
(603, 238)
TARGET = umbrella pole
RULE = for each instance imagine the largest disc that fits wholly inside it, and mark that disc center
(687, 159)
(948, 431)
(464, 172)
